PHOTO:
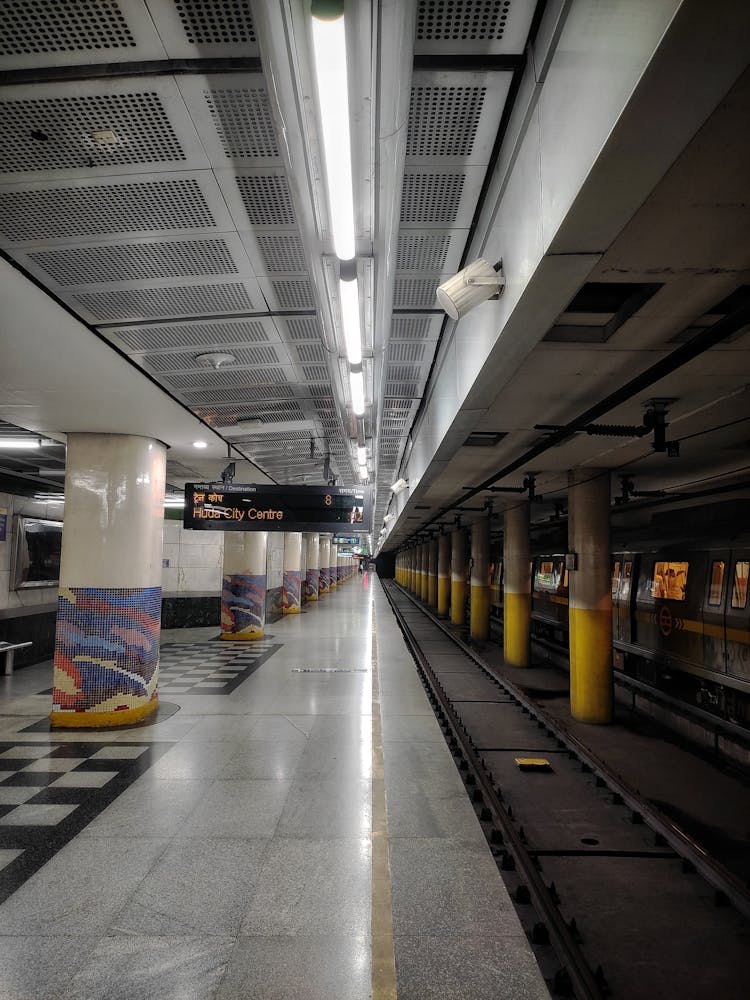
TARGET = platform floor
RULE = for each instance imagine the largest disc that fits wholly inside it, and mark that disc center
(235, 848)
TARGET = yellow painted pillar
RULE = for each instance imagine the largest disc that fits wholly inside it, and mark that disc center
(479, 625)
(424, 572)
(432, 580)
(590, 595)
(517, 586)
(412, 570)
(444, 575)
(458, 578)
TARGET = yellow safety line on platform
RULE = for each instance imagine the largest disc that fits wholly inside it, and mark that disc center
(383, 955)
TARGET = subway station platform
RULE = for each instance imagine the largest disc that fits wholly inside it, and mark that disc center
(235, 847)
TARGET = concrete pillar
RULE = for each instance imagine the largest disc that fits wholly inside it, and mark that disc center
(106, 664)
(444, 575)
(424, 575)
(291, 587)
(590, 596)
(333, 567)
(341, 569)
(312, 573)
(517, 586)
(243, 588)
(432, 580)
(458, 576)
(324, 566)
(480, 579)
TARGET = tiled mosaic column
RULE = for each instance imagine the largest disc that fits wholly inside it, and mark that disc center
(243, 589)
(291, 588)
(324, 560)
(333, 567)
(312, 576)
(106, 664)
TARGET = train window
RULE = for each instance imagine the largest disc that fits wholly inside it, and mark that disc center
(739, 587)
(669, 580)
(627, 572)
(717, 583)
(545, 576)
(565, 579)
(615, 578)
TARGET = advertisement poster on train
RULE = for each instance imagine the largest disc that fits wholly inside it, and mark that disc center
(3, 524)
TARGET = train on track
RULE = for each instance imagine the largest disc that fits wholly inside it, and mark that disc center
(680, 608)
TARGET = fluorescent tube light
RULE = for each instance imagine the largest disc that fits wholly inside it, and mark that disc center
(361, 454)
(21, 444)
(349, 298)
(363, 473)
(357, 385)
(329, 46)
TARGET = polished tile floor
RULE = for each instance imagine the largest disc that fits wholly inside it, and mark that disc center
(226, 850)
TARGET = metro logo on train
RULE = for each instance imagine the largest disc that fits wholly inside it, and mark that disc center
(235, 507)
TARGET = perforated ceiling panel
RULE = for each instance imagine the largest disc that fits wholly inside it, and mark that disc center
(310, 353)
(243, 122)
(415, 293)
(206, 22)
(236, 397)
(60, 133)
(443, 121)
(432, 197)
(481, 26)
(422, 251)
(224, 378)
(83, 210)
(294, 293)
(281, 252)
(407, 351)
(267, 199)
(303, 328)
(410, 327)
(198, 335)
(155, 303)
(132, 262)
(261, 355)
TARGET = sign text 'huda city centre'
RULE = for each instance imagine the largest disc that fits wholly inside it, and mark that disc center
(277, 508)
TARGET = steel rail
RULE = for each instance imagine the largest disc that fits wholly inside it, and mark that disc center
(727, 885)
(583, 981)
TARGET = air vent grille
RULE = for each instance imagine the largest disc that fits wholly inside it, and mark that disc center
(55, 133)
(465, 21)
(415, 293)
(282, 252)
(183, 335)
(73, 27)
(209, 23)
(224, 379)
(431, 197)
(410, 328)
(421, 252)
(135, 261)
(188, 300)
(406, 351)
(222, 415)
(267, 199)
(294, 293)
(316, 373)
(141, 206)
(311, 353)
(443, 121)
(261, 394)
(303, 328)
(402, 373)
(404, 389)
(243, 121)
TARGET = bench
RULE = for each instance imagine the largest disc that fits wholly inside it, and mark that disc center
(9, 648)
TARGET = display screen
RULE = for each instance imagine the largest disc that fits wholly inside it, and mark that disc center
(36, 556)
(277, 508)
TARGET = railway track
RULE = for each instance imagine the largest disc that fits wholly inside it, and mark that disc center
(617, 899)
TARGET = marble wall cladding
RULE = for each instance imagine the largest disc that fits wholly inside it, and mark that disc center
(34, 597)
(192, 560)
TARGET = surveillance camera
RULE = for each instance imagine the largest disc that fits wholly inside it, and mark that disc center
(470, 287)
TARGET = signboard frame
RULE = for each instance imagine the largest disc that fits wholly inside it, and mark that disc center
(261, 507)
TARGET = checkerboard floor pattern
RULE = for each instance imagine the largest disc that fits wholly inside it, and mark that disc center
(192, 668)
(50, 791)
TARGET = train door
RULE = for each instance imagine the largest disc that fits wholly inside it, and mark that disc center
(622, 596)
(738, 617)
(616, 577)
(714, 602)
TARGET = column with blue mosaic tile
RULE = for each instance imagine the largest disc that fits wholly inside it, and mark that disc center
(106, 664)
(291, 588)
(324, 560)
(312, 573)
(243, 586)
(333, 567)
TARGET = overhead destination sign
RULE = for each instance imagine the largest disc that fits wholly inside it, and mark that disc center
(213, 507)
